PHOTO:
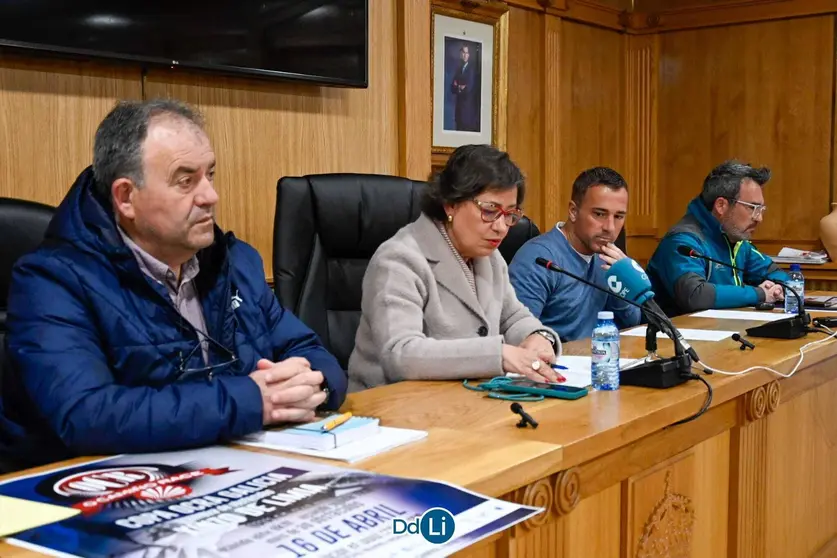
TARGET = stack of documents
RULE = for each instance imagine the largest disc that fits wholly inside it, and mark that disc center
(792, 255)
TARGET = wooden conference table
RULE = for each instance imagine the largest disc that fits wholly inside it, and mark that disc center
(755, 476)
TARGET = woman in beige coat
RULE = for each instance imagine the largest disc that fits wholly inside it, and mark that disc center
(437, 302)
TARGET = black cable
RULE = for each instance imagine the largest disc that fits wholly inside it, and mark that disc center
(706, 403)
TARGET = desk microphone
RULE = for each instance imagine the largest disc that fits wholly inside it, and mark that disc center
(525, 418)
(628, 282)
(745, 344)
(788, 328)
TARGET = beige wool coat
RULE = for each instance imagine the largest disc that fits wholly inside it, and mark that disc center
(421, 320)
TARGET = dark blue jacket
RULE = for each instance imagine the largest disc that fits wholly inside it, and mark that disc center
(96, 348)
(683, 284)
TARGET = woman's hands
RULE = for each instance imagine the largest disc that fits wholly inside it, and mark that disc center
(532, 359)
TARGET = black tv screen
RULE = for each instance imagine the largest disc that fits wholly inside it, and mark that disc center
(319, 41)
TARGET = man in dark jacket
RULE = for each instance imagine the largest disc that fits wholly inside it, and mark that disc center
(718, 223)
(139, 326)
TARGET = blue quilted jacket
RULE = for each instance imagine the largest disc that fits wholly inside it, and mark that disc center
(99, 361)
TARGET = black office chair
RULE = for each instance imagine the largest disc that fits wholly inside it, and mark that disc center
(517, 236)
(22, 227)
(326, 229)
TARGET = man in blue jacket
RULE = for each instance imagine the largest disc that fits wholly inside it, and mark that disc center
(718, 224)
(583, 245)
(138, 326)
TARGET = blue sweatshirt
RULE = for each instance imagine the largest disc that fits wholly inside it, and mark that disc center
(683, 284)
(567, 306)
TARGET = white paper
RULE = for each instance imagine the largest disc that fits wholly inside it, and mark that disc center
(578, 369)
(742, 315)
(387, 439)
(689, 334)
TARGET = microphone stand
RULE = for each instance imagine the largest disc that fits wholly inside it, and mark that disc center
(787, 328)
(659, 373)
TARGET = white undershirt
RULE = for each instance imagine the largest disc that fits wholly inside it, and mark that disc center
(586, 257)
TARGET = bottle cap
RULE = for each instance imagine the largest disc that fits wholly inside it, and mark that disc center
(605, 315)
(795, 267)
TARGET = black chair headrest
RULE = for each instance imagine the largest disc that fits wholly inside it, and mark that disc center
(23, 225)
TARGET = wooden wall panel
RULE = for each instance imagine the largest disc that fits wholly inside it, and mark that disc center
(263, 131)
(49, 112)
(592, 95)
(526, 106)
(802, 436)
(761, 93)
(597, 514)
(679, 507)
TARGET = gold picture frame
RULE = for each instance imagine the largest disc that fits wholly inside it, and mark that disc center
(460, 34)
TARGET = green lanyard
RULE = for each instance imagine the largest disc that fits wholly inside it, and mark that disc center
(733, 253)
(494, 388)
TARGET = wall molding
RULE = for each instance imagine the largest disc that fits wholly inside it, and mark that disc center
(726, 13)
(645, 19)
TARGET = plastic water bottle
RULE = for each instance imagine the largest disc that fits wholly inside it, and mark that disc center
(797, 281)
(605, 353)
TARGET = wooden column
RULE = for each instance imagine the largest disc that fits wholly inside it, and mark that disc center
(414, 124)
(641, 62)
(554, 204)
(748, 474)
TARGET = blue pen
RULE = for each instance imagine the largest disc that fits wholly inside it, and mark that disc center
(559, 367)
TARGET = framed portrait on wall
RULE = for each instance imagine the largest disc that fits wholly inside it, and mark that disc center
(469, 72)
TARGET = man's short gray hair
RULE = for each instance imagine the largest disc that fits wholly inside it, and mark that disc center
(724, 181)
(117, 148)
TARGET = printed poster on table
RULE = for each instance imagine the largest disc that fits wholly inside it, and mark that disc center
(219, 501)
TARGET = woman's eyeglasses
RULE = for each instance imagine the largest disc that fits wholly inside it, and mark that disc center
(490, 212)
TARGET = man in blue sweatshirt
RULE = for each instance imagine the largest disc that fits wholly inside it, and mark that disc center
(584, 246)
(718, 223)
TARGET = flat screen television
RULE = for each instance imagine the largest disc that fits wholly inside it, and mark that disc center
(317, 41)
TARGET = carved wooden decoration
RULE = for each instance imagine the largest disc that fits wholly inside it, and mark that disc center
(567, 491)
(539, 495)
(558, 494)
(772, 396)
(761, 401)
(755, 404)
(668, 531)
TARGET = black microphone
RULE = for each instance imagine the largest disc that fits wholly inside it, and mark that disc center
(744, 343)
(662, 373)
(650, 308)
(788, 328)
(524, 416)
(543, 262)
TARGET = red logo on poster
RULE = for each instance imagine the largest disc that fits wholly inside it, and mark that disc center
(101, 487)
